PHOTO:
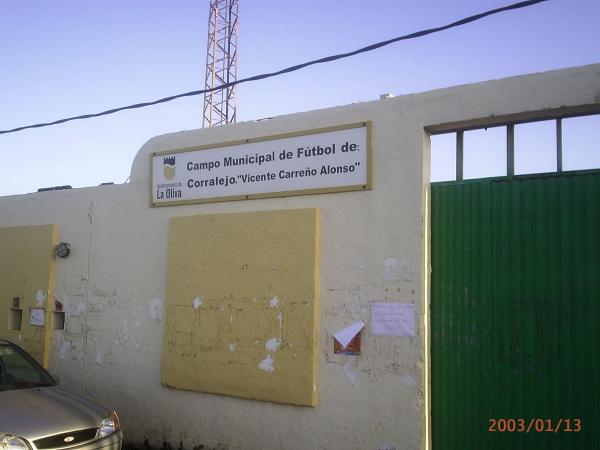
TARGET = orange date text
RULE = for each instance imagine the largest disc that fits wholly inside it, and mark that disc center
(535, 425)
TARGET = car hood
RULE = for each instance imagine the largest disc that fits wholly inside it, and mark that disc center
(40, 412)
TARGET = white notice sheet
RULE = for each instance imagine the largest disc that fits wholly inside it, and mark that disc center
(392, 319)
(37, 317)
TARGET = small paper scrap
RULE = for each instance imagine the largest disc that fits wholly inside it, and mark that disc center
(347, 334)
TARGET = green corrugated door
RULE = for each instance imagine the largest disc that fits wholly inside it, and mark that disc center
(515, 312)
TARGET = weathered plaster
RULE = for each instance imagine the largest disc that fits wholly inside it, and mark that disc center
(373, 249)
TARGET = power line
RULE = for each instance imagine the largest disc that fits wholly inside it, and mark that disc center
(326, 59)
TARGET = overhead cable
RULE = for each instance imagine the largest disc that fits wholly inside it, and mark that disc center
(326, 59)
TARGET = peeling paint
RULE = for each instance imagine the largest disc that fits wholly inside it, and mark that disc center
(359, 313)
(267, 364)
(390, 269)
(137, 321)
(40, 297)
(156, 309)
(273, 344)
(274, 302)
(124, 340)
(350, 373)
(407, 379)
(407, 270)
(65, 348)
(81, 307)
(197, 303)
(232, 347)
(395, 269)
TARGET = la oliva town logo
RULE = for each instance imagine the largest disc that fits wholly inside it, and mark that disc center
(169, 167)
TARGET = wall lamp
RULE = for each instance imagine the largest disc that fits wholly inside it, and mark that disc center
(63, 249)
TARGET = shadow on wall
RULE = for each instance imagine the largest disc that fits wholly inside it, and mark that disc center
(166, 446)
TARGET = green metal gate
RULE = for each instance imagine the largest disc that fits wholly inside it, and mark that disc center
(515, 313)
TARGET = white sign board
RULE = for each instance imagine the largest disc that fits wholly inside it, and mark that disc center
(325, 161)
(392, 319)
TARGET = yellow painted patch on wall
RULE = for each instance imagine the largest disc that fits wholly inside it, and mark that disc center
(242, 305)
(27, 267)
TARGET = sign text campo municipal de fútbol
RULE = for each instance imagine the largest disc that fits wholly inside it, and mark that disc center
(330, 160)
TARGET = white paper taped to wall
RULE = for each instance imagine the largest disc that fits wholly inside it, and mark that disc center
(37, 317)
(347, 334)
(393, 319)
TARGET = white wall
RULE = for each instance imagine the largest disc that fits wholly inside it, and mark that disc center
(113, 283)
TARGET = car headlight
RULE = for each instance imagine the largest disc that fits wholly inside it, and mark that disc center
(109, 425)
(12, 442)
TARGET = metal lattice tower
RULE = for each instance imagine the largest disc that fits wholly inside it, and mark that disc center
(221, 63)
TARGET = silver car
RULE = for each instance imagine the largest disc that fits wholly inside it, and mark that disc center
(35, 414)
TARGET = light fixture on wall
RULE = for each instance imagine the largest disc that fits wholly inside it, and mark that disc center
(63, 249)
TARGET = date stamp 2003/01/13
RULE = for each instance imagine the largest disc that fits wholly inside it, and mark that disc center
(535, 425)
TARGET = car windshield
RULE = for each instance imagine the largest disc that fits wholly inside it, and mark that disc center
(18, 370)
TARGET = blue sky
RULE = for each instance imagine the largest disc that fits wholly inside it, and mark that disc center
(63, 58)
